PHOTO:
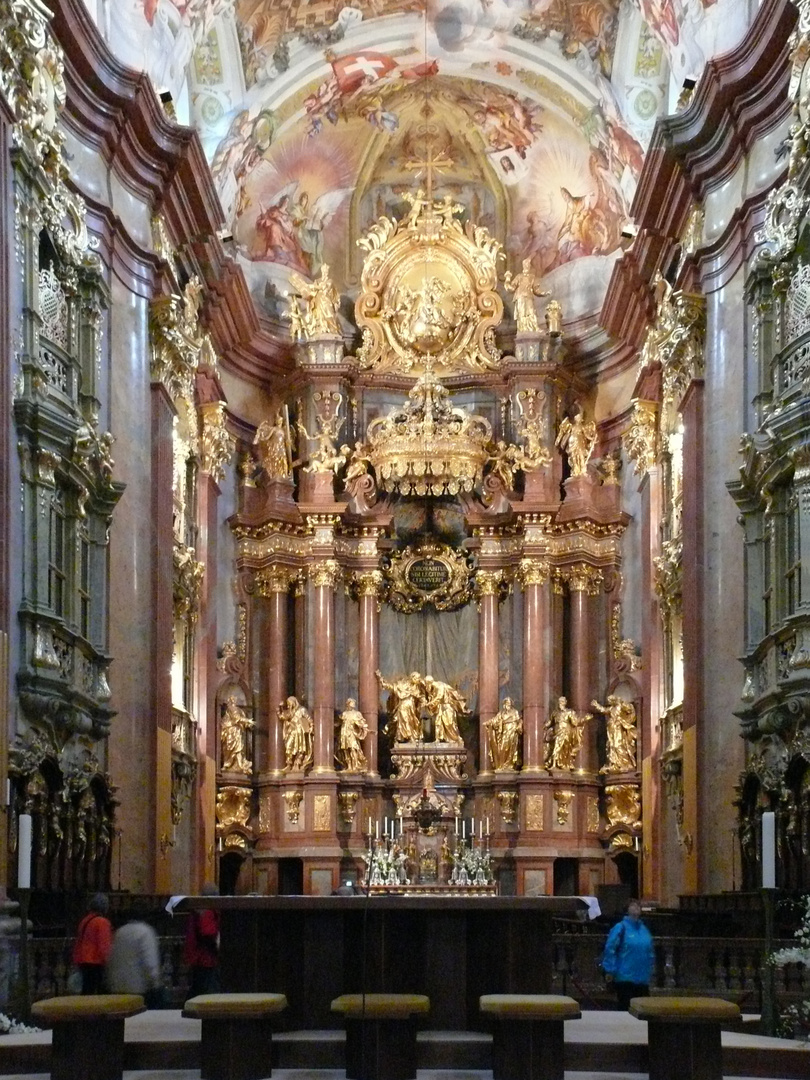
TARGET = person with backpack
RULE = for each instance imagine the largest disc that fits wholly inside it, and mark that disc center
(93, 944)
(628, 959)
(201, 949)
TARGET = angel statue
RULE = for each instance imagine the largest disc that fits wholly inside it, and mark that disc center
(524, 286)
(320, 317)
(233, 728)
(297, 731)
(578, 438)
(353, 729)
(445, 704)
(503, 733)
(273, 439)
(565, 728)
(621, 734)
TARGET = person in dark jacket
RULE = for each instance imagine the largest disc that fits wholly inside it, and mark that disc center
(629, 957)
(201, 949)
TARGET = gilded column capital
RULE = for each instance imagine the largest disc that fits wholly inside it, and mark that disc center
(488, 582)
(584, 578)
(533, 571)
(368, 583)
(216, 442)
(275, 579)
(325, 574)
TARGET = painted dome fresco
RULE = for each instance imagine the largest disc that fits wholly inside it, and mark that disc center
(319, 116)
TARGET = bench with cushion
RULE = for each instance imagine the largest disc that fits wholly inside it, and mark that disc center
(381, 1034)
(683, 1035)
(237, 1035)
(528, 1034)
(88, 1033)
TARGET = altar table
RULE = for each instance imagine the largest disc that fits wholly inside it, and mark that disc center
(452, 948)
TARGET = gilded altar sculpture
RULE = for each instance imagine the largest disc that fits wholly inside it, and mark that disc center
(525, 286)
(446, 705)
(319, 317)
(409, 695)
(621, 734)
(297, 732)
(353, 728)
(504, 730)
(233, 729)
(273, 443)
(577, 437)
(327, 457)
(563, 736)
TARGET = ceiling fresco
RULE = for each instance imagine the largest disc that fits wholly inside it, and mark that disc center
(318, 116)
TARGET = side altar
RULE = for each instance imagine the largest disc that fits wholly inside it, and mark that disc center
(453, 948)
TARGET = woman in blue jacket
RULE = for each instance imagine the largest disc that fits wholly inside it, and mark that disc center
(629, 957)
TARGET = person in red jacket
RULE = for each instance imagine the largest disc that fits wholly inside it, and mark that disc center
(93, 944)
(201, 949)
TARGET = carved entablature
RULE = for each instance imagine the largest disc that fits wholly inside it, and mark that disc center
(428, 292)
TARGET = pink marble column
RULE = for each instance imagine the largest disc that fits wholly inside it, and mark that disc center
(274, 584)
(487, 585)
(369, 583)
(584, 581)
(534, 574)
(325, 576)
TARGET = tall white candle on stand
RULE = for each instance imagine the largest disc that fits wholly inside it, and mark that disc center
(769, 850)
(24, 836)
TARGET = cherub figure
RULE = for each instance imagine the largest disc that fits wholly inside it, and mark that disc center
(524, 286)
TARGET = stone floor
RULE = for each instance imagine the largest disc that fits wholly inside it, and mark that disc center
(606, 1033)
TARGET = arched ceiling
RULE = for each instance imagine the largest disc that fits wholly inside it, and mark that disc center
(318, 115)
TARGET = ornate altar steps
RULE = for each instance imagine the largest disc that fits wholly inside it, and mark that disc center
(601, 1043)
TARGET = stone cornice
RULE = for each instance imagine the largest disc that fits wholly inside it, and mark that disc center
(740, 95)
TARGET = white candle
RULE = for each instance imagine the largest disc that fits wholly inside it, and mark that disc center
(464, 830)
(481, 830)
(24, 833)
(456, 824)
(385, 830)
(487, 825)
(377, 829)
(769, 850)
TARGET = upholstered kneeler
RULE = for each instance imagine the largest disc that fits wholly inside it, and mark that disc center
(381, 1034)
(528, 1034)
(88, 1033)
(237, 1034)
(683, 1035)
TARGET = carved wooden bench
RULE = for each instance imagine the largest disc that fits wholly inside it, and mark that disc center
(528, 1034)
(88, 1033)
(381, 1034)
(683, 1035)
(237, 1034)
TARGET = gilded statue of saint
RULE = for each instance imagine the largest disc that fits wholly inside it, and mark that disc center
(564, 736)
(621, 734)
(578, 438)
(446, 705)
(323, 301)
(405, 700)
(232, 731)
(353, 729)
(503, 734)
(272, 441)
(297, 729)
(524, 286)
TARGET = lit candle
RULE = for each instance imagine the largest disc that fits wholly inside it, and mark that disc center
(768, 850)
(24, 832)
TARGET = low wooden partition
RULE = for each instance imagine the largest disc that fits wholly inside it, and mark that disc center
(452, 948)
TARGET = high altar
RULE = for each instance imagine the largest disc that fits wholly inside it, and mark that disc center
(428, 544)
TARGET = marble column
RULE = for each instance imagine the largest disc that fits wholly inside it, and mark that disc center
(369, 584)
(487, 583)
(324, 575)
(584, 581)
(534, 576)
(274, 584)
(300, 632)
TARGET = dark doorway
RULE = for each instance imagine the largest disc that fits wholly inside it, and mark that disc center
(566, 877)
(290, 877)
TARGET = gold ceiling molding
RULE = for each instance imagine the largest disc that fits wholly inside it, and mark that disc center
(428, 292)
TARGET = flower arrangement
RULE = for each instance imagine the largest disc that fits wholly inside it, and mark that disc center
(14, 1027)
(795, 1019)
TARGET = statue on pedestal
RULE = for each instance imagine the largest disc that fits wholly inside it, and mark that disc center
(272, 440)
(353, 729)
(524, 286)
(297, 733)
(504, 730)
(445, 704)
(233, 727)
(621, 734)
(577, 438)
(320, 317)
(564, 732)
(405, 702)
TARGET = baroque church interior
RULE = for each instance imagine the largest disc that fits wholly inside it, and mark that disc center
(405, 464)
